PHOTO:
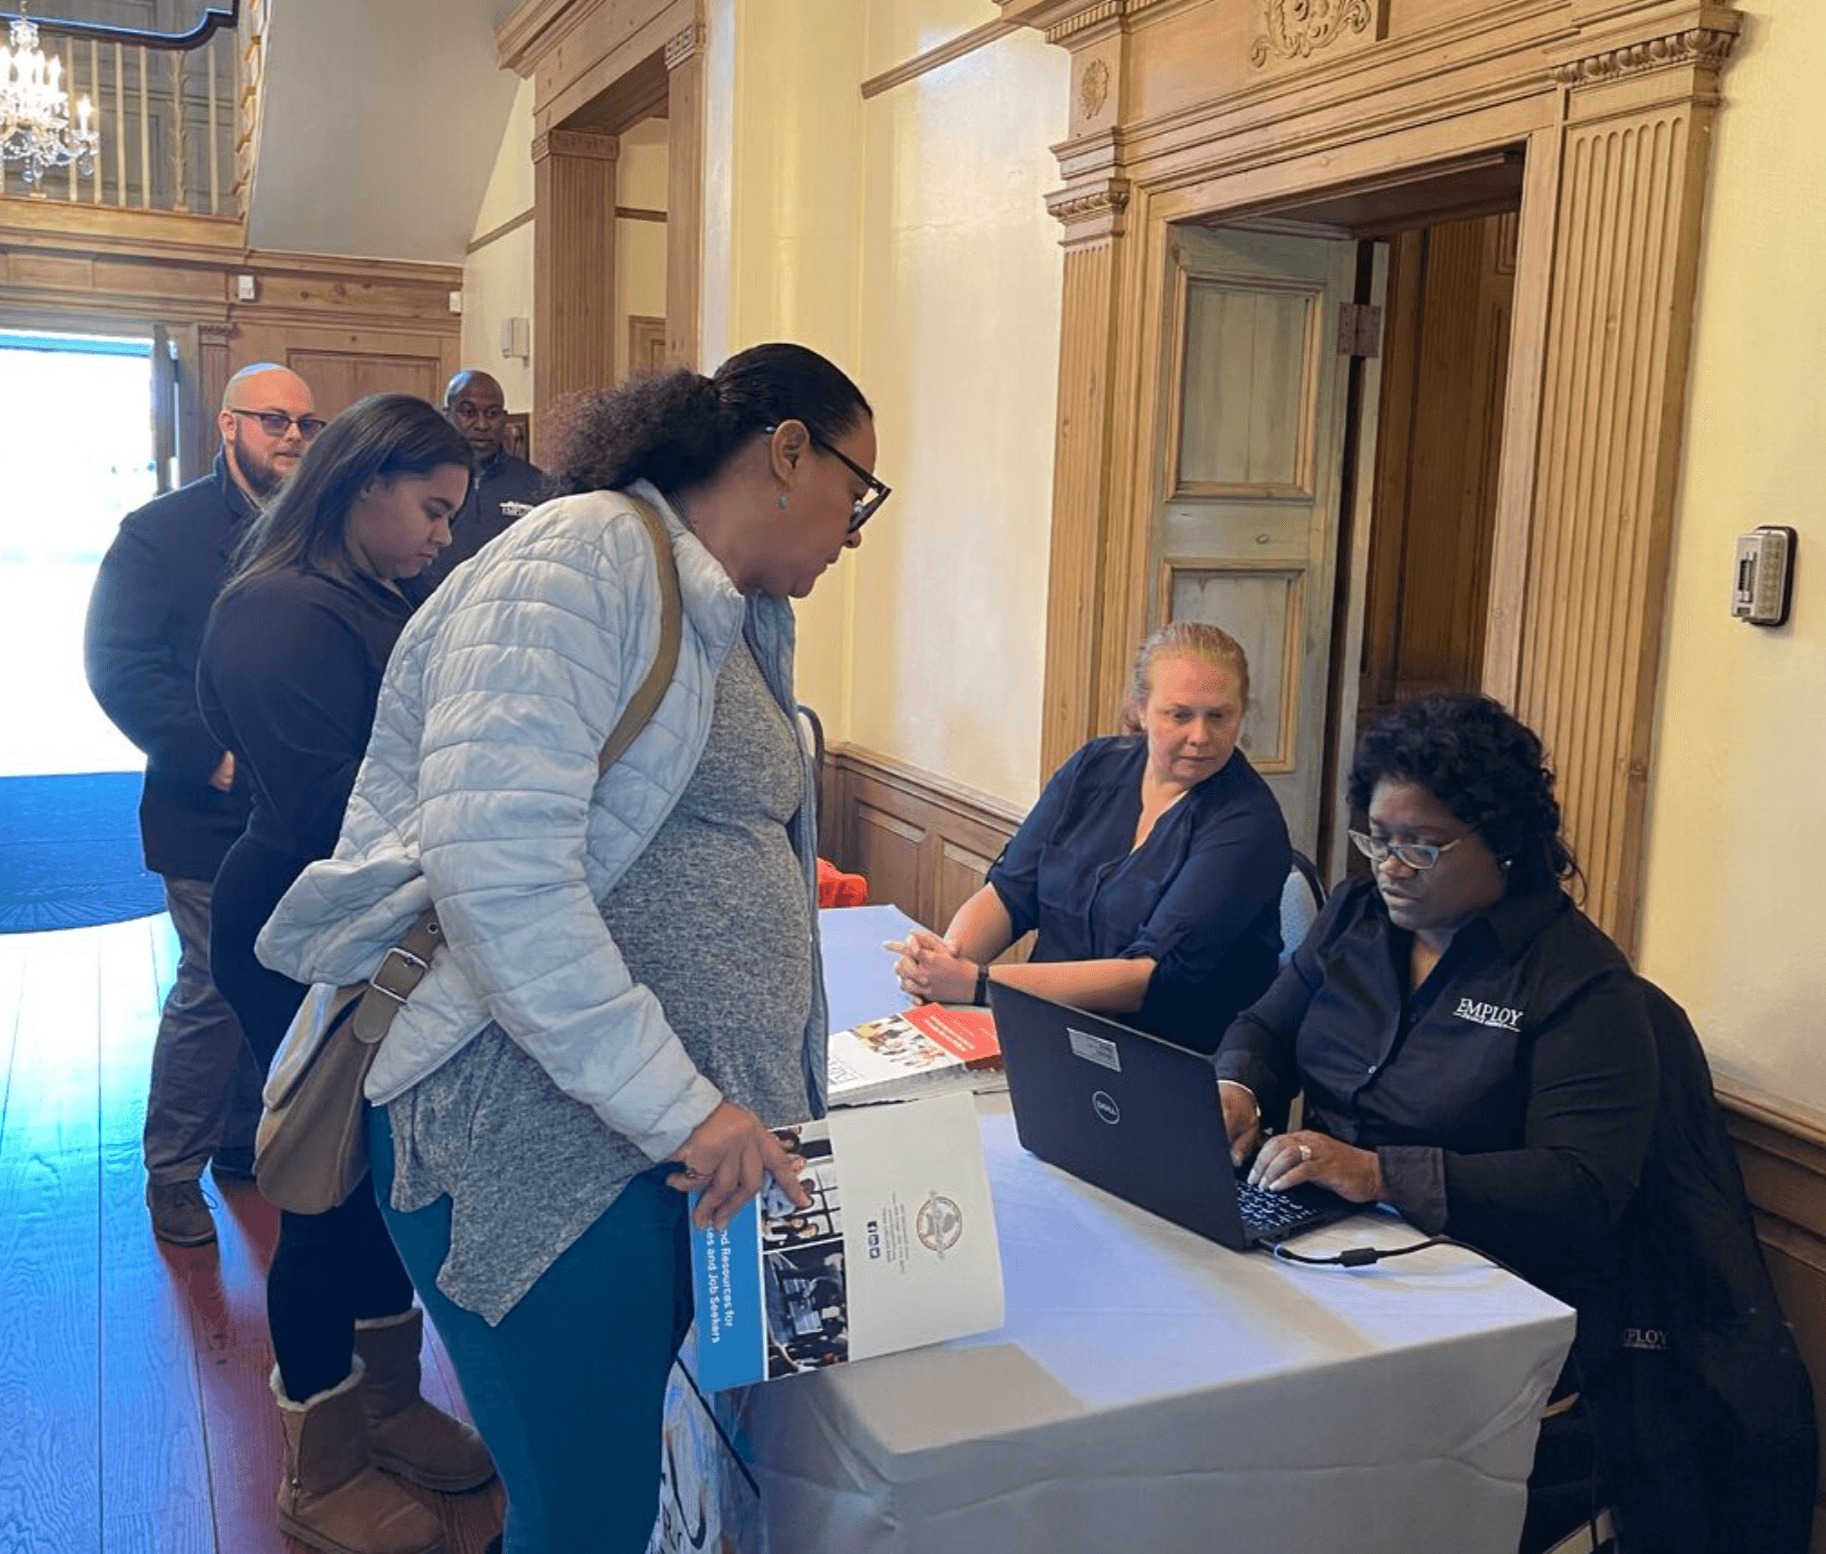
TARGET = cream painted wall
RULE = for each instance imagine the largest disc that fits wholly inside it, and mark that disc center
(498, 278)
(640, 246)
(907, 237)
(794, 267)
(1737, 830)
(962, 278)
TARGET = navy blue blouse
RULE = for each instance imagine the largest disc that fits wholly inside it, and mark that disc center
(1201, 896)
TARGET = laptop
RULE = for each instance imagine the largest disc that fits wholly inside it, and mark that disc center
(1139, 1117)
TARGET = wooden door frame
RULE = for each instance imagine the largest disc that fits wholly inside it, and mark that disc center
(586, 60)
(1185, 110)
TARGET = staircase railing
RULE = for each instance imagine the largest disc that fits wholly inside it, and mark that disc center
(175, 110)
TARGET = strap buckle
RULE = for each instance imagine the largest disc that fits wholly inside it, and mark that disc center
(398, 973)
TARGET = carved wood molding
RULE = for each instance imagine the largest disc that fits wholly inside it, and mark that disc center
(1705, 47)
(683, 44)
(1082, 21)
(1092, 212)
(1296, 29)
(1096, 15)
(535, 26)
(576, 143)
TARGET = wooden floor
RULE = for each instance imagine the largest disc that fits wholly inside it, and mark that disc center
(135, 1416)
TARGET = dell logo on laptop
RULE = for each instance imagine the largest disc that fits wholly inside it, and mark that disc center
(1104, 1105)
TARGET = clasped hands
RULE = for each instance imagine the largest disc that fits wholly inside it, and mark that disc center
(1284, 1160)
(932, 970)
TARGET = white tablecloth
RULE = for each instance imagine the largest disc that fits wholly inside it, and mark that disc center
(1152, 1391)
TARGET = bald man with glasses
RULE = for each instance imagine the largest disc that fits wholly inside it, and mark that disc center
(146, 617)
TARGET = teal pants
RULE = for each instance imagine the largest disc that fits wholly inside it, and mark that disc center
(568, 1390)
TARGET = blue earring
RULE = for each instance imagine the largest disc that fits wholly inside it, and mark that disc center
(782, 501)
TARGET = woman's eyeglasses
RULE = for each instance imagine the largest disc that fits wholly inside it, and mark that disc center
(866, 506)
(1416, 855)
(276, 423)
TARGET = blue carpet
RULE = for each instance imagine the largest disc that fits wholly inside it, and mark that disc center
(70, 853)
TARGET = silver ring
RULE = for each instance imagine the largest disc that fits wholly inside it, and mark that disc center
(1305, 1153)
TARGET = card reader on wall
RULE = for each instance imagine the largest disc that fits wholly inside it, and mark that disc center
(1764, 585)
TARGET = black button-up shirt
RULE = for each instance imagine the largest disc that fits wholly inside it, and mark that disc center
(1509, 1098)
(1200, 897)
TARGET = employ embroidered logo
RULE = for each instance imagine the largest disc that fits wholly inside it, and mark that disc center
(1493, 1015)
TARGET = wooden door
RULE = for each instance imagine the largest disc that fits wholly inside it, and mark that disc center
(339, 378)
(1246, 534)
(1451, 291)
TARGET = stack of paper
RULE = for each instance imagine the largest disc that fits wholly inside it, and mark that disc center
(926, 1050)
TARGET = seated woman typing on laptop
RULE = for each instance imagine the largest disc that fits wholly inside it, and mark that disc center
(1473, 1050)
(1151, 867)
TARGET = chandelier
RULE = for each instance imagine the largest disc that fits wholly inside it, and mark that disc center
(35, 129)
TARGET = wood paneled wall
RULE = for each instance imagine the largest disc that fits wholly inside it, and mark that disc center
(924, 845)
(349, 326)
(1784, 1163)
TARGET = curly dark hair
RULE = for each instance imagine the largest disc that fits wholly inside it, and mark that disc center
(676, 428)
(1485, 765)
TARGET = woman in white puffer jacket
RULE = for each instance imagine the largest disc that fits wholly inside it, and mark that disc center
(630, 994)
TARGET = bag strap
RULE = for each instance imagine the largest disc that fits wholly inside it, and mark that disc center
(404, 966)
(639, 711)
(391, 983)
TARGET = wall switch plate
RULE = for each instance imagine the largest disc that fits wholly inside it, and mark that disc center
(247, 288)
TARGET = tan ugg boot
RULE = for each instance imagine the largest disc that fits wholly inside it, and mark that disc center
(331, 1497)
(407, 1435)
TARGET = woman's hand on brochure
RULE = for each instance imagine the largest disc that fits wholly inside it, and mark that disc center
(728, 1158)
(931, 970)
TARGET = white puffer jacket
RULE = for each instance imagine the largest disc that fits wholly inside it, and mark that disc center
(480, 791)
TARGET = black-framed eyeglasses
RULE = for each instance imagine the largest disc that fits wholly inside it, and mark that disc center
(1416, 855)
(276, 423)
(867, 506)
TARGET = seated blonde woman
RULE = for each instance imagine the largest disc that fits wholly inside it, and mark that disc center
(1151, 867)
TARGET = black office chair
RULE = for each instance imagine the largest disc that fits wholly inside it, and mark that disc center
(811, 735)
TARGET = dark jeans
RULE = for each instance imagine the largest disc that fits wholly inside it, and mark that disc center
(569, 1390)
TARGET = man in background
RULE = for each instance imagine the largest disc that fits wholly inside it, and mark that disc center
(504, 487)
(146, 618)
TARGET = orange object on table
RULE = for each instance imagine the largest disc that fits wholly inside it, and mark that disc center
(837, 889)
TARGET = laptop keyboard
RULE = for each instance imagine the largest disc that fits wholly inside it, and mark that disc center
(1266, 1212)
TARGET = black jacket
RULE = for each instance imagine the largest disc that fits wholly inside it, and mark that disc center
(1702, 1407)
(498, 494)
(289, 676)
(146, 618)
